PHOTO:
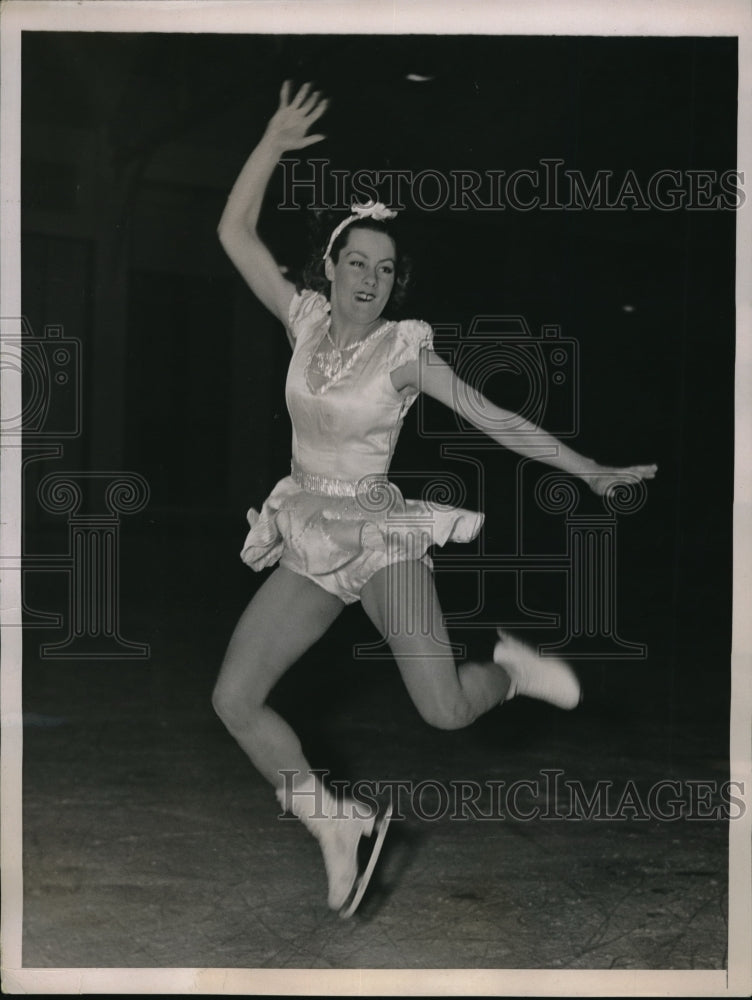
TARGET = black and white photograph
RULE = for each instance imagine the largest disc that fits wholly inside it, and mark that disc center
(375, 498)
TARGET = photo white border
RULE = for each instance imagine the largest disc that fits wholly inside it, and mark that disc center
(482, 17)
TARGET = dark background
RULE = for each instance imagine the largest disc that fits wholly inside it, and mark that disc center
(130, 144)
(148, 839)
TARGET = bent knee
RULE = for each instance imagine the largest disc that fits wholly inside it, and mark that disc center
(448, 716)
(235, 710)
(221, 702)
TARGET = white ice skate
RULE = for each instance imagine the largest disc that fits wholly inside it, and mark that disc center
(350, 843)
(533, 676)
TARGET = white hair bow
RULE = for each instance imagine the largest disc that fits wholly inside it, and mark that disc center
(370, 210)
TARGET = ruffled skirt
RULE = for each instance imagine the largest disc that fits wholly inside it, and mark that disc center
(340, 542)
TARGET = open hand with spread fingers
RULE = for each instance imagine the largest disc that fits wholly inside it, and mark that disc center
(290, 122)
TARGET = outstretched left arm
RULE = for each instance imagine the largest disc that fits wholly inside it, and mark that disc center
(434, 377)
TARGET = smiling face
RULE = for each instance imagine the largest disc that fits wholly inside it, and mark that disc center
(363, 277)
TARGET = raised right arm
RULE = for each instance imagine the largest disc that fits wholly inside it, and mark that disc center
(238, 226)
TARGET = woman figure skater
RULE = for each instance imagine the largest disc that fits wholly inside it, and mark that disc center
(352, 377)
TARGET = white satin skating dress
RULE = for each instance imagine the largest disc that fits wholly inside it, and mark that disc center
(336, 519)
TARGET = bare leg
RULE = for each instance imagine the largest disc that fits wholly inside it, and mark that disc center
(402, 603)
(286, 616)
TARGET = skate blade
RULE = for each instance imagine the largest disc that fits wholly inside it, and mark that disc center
(361, 884)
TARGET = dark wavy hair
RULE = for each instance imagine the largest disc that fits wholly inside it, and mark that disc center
(313, 272)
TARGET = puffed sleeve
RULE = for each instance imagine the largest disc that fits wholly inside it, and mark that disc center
(307, 309)
(410, 337)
